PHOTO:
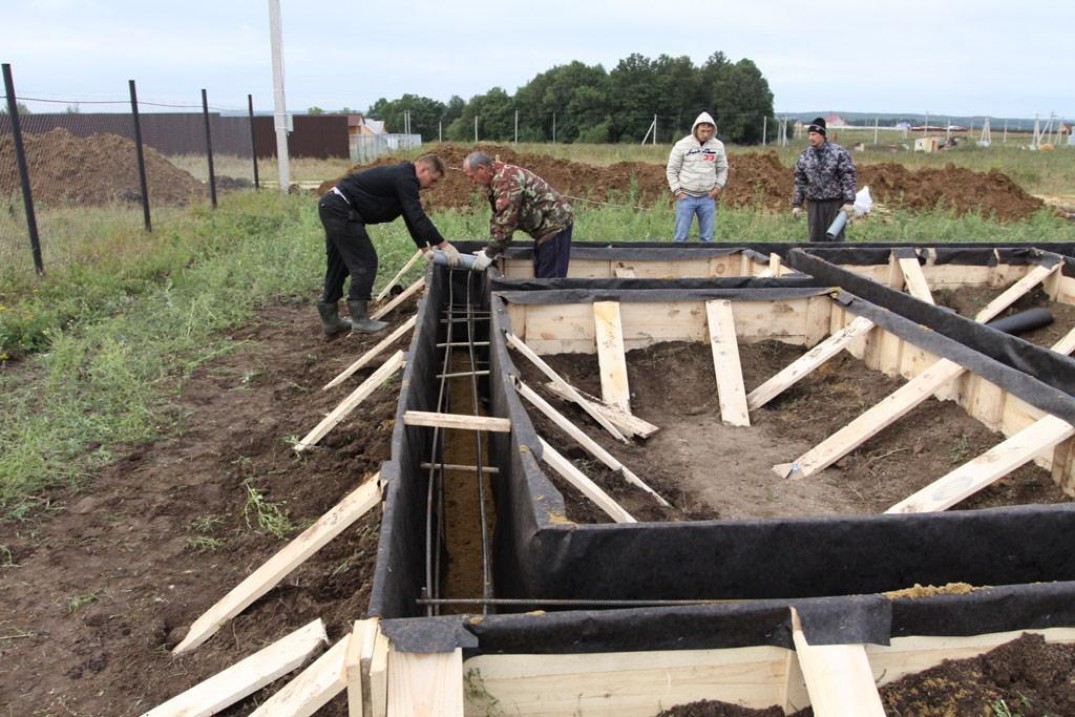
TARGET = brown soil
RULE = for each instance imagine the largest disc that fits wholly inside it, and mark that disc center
(97, 588)
(91, 171)
(101, 169)
(756, 179)
(100, 585)
(709, 470)
(1026, 677)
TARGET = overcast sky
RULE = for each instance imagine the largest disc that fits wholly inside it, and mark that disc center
(958, 58)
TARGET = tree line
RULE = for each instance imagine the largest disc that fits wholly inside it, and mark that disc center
(581, 103)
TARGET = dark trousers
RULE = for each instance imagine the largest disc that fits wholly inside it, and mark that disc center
(551, 257)
(820, 214)
(348, 249)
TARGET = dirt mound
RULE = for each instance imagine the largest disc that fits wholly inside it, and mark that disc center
(91, 171)
(755, 179)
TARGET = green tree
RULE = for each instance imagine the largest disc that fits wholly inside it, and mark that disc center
(494, 113)
(424, 115)
(634, 97)
(746, 101)
(315, 111)
(547, 104)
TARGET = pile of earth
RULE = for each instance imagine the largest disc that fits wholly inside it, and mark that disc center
(92, 171)
(755, 179)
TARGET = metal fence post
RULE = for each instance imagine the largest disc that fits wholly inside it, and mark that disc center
(141, 156)
(209, 148)
(24, 171)
(253, 140)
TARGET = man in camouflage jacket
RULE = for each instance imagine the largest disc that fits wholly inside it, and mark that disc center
(523, 201)
(824, 177)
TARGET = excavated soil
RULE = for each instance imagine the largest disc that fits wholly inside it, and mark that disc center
(100, 169)
(755, 179)
(92, 171)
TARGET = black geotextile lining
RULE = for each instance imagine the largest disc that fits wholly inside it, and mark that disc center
(838, 252)
(1047, 366)
(537, 554)
(833, 620)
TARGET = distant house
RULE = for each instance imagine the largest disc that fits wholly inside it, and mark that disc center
(835, 121)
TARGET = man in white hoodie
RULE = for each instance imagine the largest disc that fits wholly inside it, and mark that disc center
(697, 170)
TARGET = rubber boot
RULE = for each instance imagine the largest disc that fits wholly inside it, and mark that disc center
(330, 318)
(360, 318)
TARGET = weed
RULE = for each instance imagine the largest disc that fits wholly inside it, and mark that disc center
(961, 450)
(7, 560)
(79, 601)
(202, 544)
(266, 515)
(206, 524)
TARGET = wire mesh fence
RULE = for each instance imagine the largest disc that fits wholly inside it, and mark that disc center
(61, 170)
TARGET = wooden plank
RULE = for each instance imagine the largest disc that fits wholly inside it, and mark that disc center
(365, 665)
(312, 689)
(371, 384)
(407, 293)
(612, 363)
(882, 414)
(584, 485)
(729, 372)
(460, 421)
(917, 286)
(626, 422)
(343, 514)
(806, 363)
(246, 676)
(1015, 292)
(595, 449)
(372, 353)
(1065, 345)
(623, 684)
(838, 677)
(624, 272)
(425, 684)
(388, 287)
(992, 465)
(585, 405)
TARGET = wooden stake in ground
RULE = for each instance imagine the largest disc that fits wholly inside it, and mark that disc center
(331, 524)
(729, 372)
(312, 688)
(585, 441)
(517, 343)
(371, 384)
(838, 677)
(388, 287)
(372, 353)
(247, 676)
(608, 332)
(584, 485)
(991, 466)
(407, 293)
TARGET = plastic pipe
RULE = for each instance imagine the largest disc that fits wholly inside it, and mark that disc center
(441, 260)
(1022, 322)
(837, 225)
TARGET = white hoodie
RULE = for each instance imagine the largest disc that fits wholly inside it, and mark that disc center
(697, 168)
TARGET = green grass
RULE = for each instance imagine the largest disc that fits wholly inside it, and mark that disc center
(94, 352)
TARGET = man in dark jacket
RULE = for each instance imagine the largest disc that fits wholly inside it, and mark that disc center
(372, 196)
(825, 178)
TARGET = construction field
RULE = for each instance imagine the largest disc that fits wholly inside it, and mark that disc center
(713, 481)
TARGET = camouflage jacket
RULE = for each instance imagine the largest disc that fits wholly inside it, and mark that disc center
(523, 201)
(823, 173)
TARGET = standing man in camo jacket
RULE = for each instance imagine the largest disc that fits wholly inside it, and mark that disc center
(523, 201)
(825, 178)
(697, 170)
